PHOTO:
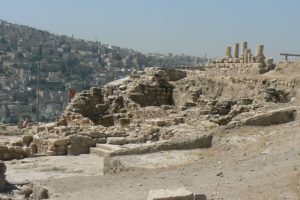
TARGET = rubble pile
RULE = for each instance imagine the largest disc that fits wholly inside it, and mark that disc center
(157, 105)
(17, 150)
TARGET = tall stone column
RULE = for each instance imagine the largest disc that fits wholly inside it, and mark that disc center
(236, 50)
(249, 55)
(245, 46)
(259, 54)
(228, 52)
(259, 50)
(245, 55)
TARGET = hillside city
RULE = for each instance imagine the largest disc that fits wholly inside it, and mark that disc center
(65, 64)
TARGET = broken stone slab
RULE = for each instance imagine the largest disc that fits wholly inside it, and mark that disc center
(204, 141)
(27, 139)
(107, 121)
(80, 145)
(157, 122)
(177, 194)
(117, 140)
(124, 122)
(175, 75)
(273, 117)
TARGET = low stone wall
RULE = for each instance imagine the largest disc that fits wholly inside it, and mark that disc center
(274, 117)
(175, 194)
(14, 152)
(204, 141)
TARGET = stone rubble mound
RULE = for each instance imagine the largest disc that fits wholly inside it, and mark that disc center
(160, 105)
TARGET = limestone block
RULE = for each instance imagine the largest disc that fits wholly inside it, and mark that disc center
(272, 118)
(177, 194)
(117, 140)
(124, 122)
(95, 91)
(107, 121)
(61, 142)
(80, 144)
(27, 139)
(158, 122)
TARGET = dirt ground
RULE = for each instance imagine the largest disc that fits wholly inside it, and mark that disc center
(244, 163)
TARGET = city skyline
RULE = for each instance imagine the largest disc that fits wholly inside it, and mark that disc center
(190, 27)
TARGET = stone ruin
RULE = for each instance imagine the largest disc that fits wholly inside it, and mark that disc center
(156, 109)
(244, 56)
(161, 109)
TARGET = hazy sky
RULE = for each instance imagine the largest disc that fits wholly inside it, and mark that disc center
(192, 27)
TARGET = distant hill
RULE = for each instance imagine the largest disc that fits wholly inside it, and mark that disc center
(65, 63)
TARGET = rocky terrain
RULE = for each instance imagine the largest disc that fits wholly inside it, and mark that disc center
(228, 132)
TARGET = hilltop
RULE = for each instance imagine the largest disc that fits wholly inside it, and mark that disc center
(65, 63)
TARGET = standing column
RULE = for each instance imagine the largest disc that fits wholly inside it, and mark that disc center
(236, 50)
(228, 52)
(245, 55)
(259, 54)
(245, 46)
(249, 55)
(259, 50)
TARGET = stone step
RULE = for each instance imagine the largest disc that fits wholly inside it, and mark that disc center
(100, 152)
(202, 141)
(109, 147)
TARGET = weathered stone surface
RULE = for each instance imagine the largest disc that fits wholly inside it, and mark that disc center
(175, 75)
(117, 140)
(61, 142)
(14, 152)
(35, 192)
(2, 176)
(27, 139)
(177, 194)
(204, 141)
(199, 196)
(274, 117)
(107, 121)
(34, 148)
(158, 122)
(276, 95)
(80, 144)
(124, 122)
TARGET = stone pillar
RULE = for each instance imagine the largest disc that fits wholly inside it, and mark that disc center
(236, 50)
(259, 50)
(245, 46)
(228, 52)
(259, 54)
(250, 58)
(245, 55)
(249, 55)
